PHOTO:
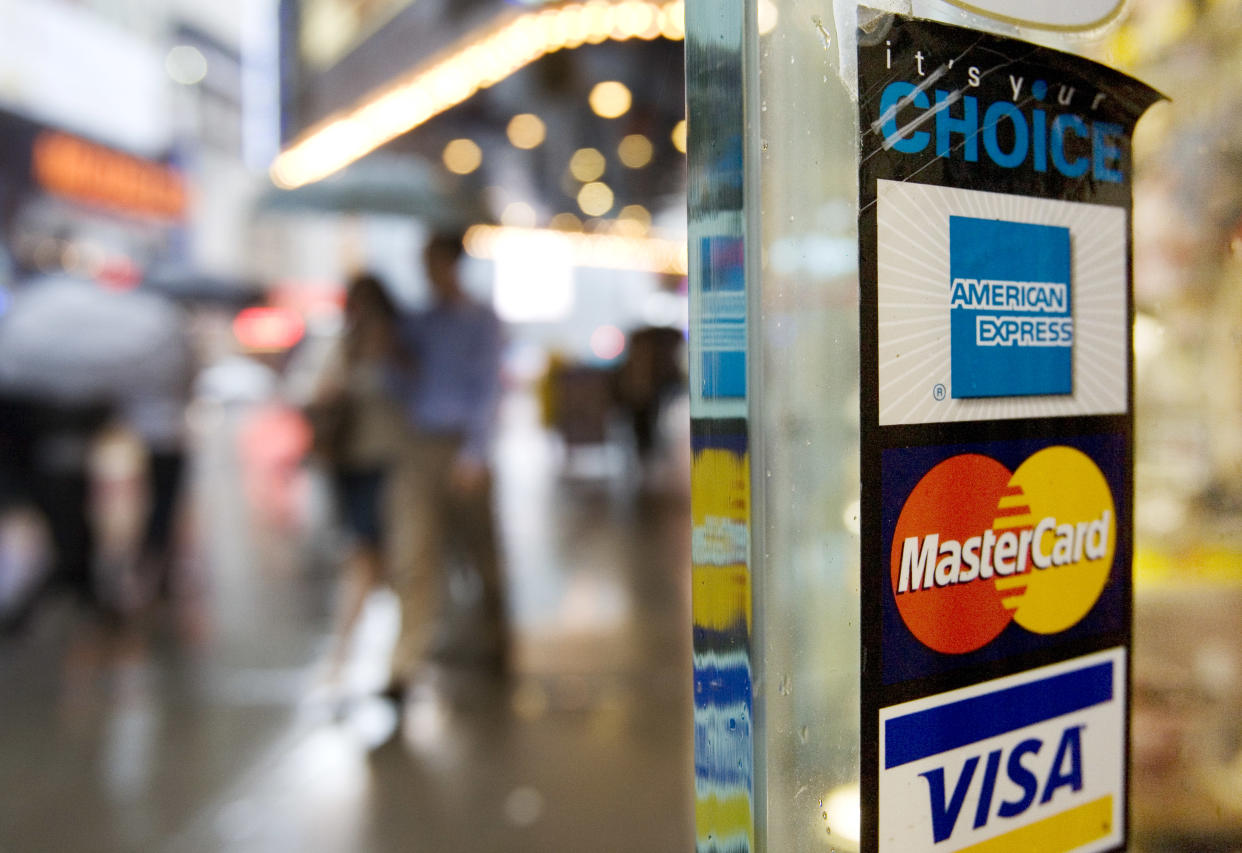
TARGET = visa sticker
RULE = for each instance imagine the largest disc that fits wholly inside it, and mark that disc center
(1034, 761)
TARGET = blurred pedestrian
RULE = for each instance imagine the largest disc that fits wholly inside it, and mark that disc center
(444, 483)
(648, 377)
(358, 429)
(155, 411)
(46, 447)
(71, 352)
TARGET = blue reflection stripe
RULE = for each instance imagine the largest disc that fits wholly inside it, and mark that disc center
(723, 754)
(722, 679)
(717, 686)
(936, 730)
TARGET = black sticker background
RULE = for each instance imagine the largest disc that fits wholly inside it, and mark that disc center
(891, 52)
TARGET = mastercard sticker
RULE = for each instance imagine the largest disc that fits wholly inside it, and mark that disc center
(999, 549)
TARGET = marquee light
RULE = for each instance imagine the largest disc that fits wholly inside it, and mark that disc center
(610, 99)
(462, 156)
(526, 131)
(480, 60)
(587, 164)
(604, 251)
(679, 136)
(635, 151)
(595, 198)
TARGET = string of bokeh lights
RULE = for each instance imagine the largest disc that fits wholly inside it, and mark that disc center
(481, 60)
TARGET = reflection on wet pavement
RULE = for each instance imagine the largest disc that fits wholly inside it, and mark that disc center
(206, 724)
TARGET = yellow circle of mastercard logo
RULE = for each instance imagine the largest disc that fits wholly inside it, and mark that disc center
(977, 547)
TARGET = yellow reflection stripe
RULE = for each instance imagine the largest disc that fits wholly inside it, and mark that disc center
(721, 597)
(722, 819)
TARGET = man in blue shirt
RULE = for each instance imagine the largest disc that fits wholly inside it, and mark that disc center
(450, 393)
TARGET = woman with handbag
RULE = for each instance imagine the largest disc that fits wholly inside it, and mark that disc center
(358, 428)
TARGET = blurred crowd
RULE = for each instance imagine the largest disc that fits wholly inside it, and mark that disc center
(98, 391)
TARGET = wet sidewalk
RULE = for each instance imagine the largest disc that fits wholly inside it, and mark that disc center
(205, 724)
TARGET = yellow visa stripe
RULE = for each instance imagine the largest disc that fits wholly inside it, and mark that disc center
(1057, 834)
(721, 597)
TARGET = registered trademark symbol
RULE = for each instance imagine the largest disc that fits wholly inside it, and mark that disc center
(939, 392)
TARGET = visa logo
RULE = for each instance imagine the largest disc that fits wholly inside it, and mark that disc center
(1032, 761)
(1065, 771)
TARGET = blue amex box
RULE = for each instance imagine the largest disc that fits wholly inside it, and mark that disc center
(1033, 761)
(1011, 319)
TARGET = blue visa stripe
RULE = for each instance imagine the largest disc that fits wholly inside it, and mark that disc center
(940, 729)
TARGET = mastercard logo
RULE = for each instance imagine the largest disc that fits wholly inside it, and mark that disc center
(978, 546)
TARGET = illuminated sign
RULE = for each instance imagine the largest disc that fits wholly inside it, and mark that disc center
(91, 174)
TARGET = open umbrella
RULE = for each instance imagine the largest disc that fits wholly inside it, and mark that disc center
(71, 341)
(402, 186)
(187, 284)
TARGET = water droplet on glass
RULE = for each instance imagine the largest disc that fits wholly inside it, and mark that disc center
(786, 685)
(805, 733)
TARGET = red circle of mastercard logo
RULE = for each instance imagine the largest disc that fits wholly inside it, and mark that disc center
(977, 546)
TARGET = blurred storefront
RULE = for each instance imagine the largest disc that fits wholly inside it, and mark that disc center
(491, 118)
(128, 128)
(76, 206)
(1188, 408)
(1188, 219)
